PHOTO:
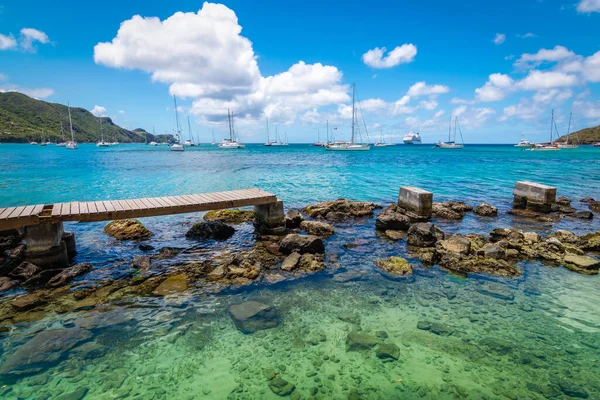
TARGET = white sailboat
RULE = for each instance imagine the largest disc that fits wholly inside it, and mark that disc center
(318, 143)
(278, 141)
(352, 145)
(43, 142)
(102, 143)
(62, 136)
(566, 144)
(523, 142)
(190, 141)
(231, 143)
(268, 142)
(381, 142)
(177, 146)
(213, 135)
(153, 143)
(550, 146)
(71, 145)
(451, 144)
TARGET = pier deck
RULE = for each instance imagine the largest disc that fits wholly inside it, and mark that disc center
(91, 211)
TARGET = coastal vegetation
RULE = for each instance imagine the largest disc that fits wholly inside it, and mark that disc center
(23, 119)
(583, 136)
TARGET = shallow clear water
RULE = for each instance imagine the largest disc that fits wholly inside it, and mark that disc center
(544, 343)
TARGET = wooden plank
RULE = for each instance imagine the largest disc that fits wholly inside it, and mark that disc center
(83, 208)
(26, 212)
(16, 212)
(75, 207)
(163, 202)
(116, 205)
(107, 206)
(6, 212)
(93, 207)
(154, 202)
(100, 206)
(37, 209)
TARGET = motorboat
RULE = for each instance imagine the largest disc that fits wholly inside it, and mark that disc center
(523, 142)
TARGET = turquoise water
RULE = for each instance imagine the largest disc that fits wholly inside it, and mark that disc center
(540, 340)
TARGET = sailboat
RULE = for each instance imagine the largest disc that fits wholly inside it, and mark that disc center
(318, 142)
(566, 144)
(177, 146)
(381, 143)
(62, 135)
(351, 145)
(43, 142)
(72, 145)
(451, 144)
(230, 143)
(523, 142)
(102, 143)
(214, 141)
(268, 142)
(153, 143)
(550, 146)
(190, 141)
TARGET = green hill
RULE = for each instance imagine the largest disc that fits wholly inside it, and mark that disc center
(23, 119)
(584, 136)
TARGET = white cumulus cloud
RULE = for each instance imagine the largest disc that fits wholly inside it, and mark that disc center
(203, 56)
(423, 89)
(30, 36)
(588, 6)
(543, 80)
(499, 38)
(7, 42)
(558, 53)
(400, 55)
(98, 111)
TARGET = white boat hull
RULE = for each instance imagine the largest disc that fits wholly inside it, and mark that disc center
(177, 147)
(71, 146)
(348, 147)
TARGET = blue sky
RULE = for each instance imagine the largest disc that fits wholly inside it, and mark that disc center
(500, 66)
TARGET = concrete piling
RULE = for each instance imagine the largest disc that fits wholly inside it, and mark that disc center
(416, 200)
(270, 218)
(534, 196)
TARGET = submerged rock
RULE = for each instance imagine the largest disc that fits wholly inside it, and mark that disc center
(29, 301)
(173, 284)
(341, 209)
(397, 266)
(392, 219)
(127, 229)
(456, 244)
(210, 230)
(583, 264)
(293, 219)
(301, 244)
(424, 234)
(394, 235)
(252, 316)
(486, 210)
(68, 274)
(387, 351)
(281, 387)
(42, 351)
(586, 215)
(316, 228)
(595, 206)
(230, 216)
(496, 291)
(435, 327)
(360, 341)
(311, 262)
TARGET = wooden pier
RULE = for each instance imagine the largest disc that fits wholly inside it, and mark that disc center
(91, 211)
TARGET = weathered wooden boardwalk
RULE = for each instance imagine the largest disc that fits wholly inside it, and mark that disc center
(17, 217)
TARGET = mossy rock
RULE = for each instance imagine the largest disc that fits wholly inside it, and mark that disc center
(230, 216)
(127, 229)
(173, 284)
(395, 265)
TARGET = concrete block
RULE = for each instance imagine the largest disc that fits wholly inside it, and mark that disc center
(39, 238)
(535, 192)
(416, 200)
(270, 218)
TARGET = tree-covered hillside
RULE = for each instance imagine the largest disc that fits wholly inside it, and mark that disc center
(23, 119)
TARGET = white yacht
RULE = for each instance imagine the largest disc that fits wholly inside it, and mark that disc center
(190, 141)
(351, 145)
(177, 146)
(451, 143)
(382, 143)
(412, 138)
(71, 145)
(523, 142)
(230, 143)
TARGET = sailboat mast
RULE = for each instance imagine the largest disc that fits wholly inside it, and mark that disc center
(268, 137)
(70, 122)
(569, 128)
(353, 112)
(101, 132)
(318, 136)
(233, 137)
(449, 128)
(327, 131)
(551, 125)
(230, 131)
(190, 129)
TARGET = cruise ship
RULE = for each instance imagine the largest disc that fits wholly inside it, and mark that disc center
(412, 138)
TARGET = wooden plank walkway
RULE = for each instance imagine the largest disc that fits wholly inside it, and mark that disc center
(16, 217)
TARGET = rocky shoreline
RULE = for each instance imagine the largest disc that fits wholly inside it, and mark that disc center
(29, 292)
